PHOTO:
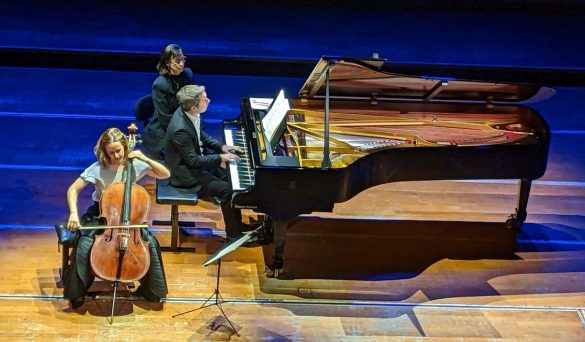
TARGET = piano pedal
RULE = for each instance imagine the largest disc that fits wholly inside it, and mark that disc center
(275, 269)
(273, 273)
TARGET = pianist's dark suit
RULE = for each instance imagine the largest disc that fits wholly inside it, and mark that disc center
(190, 168)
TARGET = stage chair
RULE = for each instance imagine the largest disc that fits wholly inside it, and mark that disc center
(144, 109)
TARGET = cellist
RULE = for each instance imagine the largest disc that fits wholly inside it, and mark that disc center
(112, 155)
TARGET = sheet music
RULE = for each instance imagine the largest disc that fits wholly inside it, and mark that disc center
(275, 115)
(260, 102)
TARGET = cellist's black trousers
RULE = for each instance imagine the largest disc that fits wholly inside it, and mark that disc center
(77, 277)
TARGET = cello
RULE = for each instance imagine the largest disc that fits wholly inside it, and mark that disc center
(120, 254)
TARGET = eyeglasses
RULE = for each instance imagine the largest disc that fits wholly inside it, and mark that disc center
(179, 60)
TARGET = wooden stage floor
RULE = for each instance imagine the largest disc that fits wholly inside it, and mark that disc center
(405, 261)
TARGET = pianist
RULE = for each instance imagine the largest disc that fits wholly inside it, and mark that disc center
(190, 163)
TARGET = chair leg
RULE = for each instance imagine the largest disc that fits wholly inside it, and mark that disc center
(175, 227)
(175, 236)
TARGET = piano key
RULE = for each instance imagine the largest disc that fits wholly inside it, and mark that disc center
(231, 165)
(241, 174)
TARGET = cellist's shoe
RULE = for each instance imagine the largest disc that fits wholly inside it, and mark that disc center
(76, 303)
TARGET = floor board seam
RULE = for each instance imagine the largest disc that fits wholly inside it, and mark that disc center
(177, 300)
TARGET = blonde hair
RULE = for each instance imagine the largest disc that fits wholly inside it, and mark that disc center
(111, 135)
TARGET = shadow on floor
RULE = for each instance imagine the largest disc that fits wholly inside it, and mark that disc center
(354, 249)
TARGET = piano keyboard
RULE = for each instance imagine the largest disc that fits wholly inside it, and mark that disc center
(241, 173)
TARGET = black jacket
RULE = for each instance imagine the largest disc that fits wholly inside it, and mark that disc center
(164, 95)
(182, 152)
(164, 99)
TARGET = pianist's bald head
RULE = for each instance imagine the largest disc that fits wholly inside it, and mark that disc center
(189, 96)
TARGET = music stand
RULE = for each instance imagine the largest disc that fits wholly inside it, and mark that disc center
(228, 248)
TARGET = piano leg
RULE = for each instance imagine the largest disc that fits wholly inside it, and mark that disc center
(274, 269)
(515, 220)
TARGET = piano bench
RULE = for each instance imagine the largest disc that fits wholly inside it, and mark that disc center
(167, 194)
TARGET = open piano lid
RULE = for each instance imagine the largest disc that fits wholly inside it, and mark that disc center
(367, 79)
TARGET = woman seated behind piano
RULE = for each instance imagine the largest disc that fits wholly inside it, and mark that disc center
(173, 75)
(112, 155)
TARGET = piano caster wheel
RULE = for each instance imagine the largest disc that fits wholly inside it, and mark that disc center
(512, 223)
(273, 273)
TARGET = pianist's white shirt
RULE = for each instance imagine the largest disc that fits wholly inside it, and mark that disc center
(196, 120)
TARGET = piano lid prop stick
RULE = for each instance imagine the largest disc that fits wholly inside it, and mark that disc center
(326, 163)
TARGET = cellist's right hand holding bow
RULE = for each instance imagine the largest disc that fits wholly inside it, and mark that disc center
(73, 222)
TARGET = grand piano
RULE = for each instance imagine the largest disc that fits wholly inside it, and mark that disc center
(356, 125)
